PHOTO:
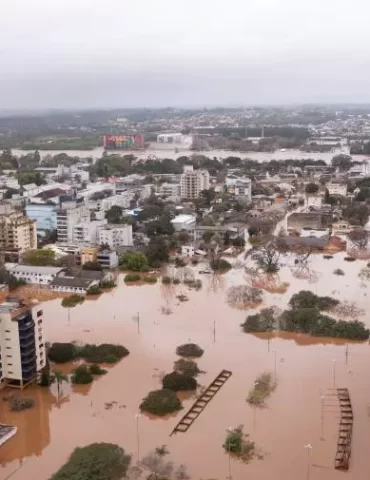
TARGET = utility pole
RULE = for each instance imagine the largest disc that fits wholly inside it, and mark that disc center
(346, 353)
(214, 331)
(138, 323)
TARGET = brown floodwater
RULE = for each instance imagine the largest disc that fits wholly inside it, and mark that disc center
(295, 416)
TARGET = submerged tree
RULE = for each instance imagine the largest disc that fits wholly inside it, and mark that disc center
(266, 256)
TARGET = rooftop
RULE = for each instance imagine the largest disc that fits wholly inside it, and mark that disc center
(11, 267)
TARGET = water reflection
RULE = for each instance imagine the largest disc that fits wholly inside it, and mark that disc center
(33, 425)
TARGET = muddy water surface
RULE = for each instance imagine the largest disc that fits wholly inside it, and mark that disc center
(296, 413)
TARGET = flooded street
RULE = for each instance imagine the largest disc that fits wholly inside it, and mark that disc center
(297, 414)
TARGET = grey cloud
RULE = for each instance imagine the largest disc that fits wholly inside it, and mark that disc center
(88, 53)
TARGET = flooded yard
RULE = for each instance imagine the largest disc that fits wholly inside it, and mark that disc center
(302, 410)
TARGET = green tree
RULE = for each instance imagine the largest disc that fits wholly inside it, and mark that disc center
(40, 258)
(94, 266)
(342, 161)
(59, 378)
(208, 195)
(114, 214)
(312, 188)
(134, 261)
(98, 461)
(157, 252)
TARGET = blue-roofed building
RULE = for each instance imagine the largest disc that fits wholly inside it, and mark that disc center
(45, 216)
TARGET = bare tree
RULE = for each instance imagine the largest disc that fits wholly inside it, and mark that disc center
(266, 256)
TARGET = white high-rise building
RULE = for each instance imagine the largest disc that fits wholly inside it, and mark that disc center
(193, 182)
(22, 344)
(116, 236)
(18, 233)
(68, 218)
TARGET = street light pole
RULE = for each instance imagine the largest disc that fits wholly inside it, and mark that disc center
(275, 365)
(137, 416)
(322, 417)
(309, 455)
(230, 430)
(334, 373)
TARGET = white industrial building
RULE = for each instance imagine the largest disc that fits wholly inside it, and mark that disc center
(31, 274)
(22, 344)
(193, 182)
(337, 188)
(183, 222)
(170, 138)
(116, 236)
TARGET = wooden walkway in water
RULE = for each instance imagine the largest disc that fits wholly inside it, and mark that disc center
(200, 404)
(345, 430)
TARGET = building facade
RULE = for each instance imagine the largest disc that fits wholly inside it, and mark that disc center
(68, 218)
(18, 233)
(116, 236)
(44, 215)
(22, 343)
(35, 275)
(336, 188)
(87, 232)
(193, 182)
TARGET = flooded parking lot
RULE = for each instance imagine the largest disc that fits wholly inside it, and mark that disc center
(302, 410)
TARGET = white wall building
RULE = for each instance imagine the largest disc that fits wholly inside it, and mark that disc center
(170, 190)
(30, 274)
(22, 343)
(68, 218)
(193, 182)
(170, 138)
(116, 236)
(87, 232)
(183, 222)
(335, 188)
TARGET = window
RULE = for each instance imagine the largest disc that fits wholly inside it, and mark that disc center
(7, 331)
(10, 373)
(8, 348)
(9, 364)
(9, 356)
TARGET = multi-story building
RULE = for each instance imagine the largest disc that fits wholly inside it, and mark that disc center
(45, 216)
(170, 190)
(337, 188)
(87, 232)
(18, 233)
(68, 218)
(193, 182)
(22, 345)
(116, 236)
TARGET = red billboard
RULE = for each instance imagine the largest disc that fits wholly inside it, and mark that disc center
(123, 142)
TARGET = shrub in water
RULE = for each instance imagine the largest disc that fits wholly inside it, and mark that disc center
(105, 352)
(72, 301)
(96, 370)
(81, 375)
(62, 352)
(18, 403)
(166, 280)
(161, 402)
(150, 279)
(191, 350)
(132, 277)
(177, 381)
(186, 367)
(98, 461)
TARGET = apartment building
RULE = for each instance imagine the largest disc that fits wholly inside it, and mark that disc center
(337, 188)
(170, 190)
(67, 218)
(193, 182)
(87, 232)
(116, 236)
(32, 274)
(22, 345)
(18, 233)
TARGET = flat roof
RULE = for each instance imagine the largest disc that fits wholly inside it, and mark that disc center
(31, 269)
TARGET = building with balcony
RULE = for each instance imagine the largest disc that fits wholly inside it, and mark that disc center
(18, 233)
(116, 236)
(193, 182)
(22, 344)
(68, 218)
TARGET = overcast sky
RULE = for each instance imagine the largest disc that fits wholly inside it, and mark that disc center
(117, 53)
